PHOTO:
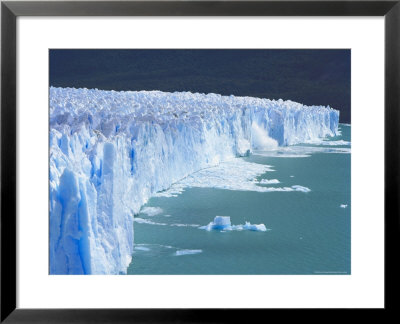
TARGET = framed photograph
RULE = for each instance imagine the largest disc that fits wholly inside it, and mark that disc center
(193, 160)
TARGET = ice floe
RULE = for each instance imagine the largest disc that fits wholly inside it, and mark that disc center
(187, 252)
(223, 223)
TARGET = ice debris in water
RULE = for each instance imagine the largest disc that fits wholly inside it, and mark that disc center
(147, 221)
(272, 181)
(220, 223)
(302, 151)
(253, 227)
(111, 151)
(187, 252)
(223, 223)
(185, 225)
(329, 143)
(151, 211)
(343, 206)
(236, 174)
(301, 188)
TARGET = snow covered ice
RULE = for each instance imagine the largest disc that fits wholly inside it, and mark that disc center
(111, 151)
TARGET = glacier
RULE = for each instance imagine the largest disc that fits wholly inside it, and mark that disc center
(109, 152)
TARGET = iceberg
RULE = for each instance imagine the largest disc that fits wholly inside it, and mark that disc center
(223, 223)
(219, 223)
(254, 227)
(111, 151)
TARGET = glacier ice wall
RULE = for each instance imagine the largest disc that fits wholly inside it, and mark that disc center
(111, 151)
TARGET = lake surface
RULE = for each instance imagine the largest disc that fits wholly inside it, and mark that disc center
(300, 193)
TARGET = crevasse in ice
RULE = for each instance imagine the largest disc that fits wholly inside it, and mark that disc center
(111, 151)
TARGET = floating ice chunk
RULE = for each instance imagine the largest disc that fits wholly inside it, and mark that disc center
(285, 189)
(272, 181)
(223, 223)
(151, 211)
(187, 252)
(343, 206)
(325, 142)
(185, 225)
(333, 143)
(147, 221)
(302, 151)
(281, 154)
(219, 223)
(254, 227)
(301, 188)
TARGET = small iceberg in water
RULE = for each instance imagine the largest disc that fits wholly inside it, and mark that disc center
(187, 252)
(251, 227)
(219, 223)
(223, 223)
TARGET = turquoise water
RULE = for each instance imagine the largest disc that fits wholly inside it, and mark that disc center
(308, 232)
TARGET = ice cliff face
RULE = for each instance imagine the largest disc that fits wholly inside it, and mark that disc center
(110, 151)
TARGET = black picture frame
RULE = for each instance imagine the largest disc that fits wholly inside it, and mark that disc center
(10, 10)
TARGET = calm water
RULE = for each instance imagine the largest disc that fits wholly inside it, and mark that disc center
(308, 232)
